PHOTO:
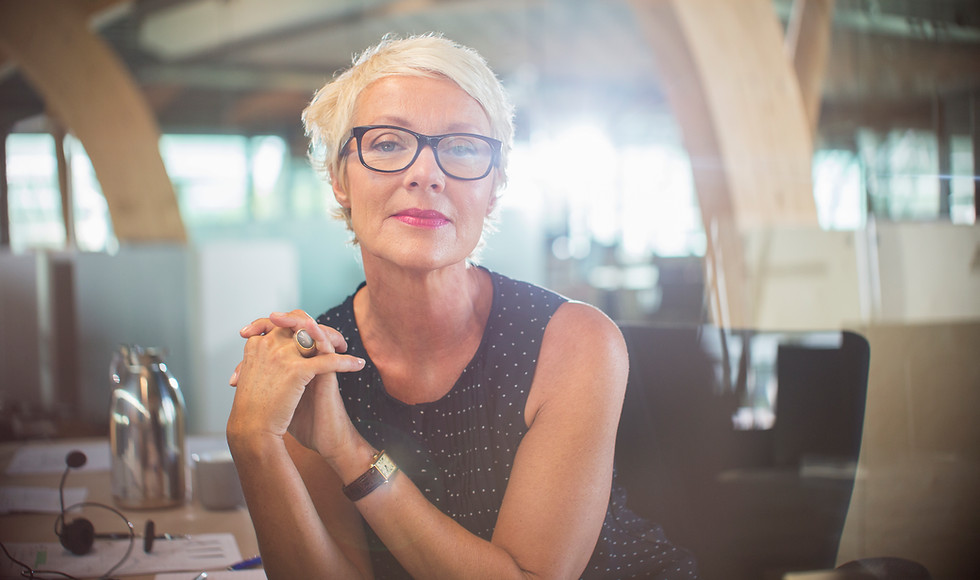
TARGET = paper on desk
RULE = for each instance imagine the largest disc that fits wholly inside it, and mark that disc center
(50, 457)
(223, 575)
(38, 499)
(47, 457)
(192, 554)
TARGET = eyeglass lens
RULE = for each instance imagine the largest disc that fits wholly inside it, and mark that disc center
(459, 155)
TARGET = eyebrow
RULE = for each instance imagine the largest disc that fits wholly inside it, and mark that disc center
(453, 127)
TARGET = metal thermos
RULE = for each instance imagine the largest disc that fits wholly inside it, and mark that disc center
(146, 430)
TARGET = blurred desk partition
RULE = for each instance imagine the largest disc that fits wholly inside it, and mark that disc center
(743, 444)
(44, 474)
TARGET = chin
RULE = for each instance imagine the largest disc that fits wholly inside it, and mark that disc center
(422, 250)
(422, 256)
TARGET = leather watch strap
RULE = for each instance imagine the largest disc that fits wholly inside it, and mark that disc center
(381, 470)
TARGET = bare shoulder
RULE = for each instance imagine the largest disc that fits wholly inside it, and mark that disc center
(581, 330)
(583, 361)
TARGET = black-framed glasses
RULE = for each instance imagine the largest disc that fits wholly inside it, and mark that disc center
(390, 149)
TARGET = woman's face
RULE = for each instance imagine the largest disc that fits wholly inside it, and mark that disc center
(419, 217)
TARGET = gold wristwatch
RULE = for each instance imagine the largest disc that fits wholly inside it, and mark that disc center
(381, 470)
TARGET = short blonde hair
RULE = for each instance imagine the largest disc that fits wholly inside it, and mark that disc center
(330, 115)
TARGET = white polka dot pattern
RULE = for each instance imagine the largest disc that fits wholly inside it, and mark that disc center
(459, 450)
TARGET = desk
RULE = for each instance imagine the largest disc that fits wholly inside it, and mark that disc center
(189, 518)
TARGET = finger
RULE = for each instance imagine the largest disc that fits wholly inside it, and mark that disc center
(336, 363)
(233, 381)
(304, 343)
(298, 320)
(329, 336)
(327, 339)
(294, 319)
(257, 327)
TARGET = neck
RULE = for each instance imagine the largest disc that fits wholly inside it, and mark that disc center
(423, 310)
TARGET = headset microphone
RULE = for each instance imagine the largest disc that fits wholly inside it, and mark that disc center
(79, 534)
(76, 459)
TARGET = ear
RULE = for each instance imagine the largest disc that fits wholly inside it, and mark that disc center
(339, 191)
(492, 203)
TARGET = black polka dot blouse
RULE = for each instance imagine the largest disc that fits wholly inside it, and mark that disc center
(459, 450)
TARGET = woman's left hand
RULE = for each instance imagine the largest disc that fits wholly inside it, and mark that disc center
(279, 390)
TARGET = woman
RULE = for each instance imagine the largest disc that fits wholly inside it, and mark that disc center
(451, 422)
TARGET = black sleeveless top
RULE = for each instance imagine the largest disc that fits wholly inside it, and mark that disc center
(459, 450)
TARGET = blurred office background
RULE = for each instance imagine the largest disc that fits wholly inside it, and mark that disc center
(602, 202)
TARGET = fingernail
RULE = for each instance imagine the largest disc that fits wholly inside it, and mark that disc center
(234, 378)
(278, 314)
(245, 329)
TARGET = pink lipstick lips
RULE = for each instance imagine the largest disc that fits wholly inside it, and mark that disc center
(422, 218)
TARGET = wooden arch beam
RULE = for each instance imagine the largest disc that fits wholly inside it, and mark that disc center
(807, 44)
(86, 85)
(735, 95)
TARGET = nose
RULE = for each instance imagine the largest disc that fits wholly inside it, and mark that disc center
(425, 173)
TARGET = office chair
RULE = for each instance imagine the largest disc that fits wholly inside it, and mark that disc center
(750, 503)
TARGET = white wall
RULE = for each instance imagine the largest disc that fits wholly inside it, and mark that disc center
(328, 267)
(929, 272)
(800, 278)
(803, 279)
(231, 284)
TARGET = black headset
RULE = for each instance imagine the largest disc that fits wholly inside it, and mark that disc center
(78, 535)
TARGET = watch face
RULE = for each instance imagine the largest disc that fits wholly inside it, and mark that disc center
(385, 465)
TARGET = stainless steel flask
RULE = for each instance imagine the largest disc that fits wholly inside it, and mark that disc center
(146, 430)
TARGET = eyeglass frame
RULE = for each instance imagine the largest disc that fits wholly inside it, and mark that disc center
(356, 133)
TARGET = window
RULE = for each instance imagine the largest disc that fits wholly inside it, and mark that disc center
(34, 201)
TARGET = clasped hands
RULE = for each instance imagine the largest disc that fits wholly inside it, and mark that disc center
(280, 390)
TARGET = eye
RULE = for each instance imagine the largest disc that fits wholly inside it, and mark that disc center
(462, 147)
(385, 146)
(389, 142)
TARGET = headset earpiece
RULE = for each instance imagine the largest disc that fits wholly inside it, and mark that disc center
(78, 536)
(149, 534)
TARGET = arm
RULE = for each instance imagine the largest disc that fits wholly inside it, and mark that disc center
(559, 488)
(554, 505)
(277, 389)
(297, 537)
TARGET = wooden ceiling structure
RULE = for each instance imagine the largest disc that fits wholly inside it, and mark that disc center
(753, 84)
(245, 65)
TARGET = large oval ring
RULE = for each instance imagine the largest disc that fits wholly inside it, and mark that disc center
(305, 343)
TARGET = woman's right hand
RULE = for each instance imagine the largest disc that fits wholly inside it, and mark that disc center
(279, 390)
